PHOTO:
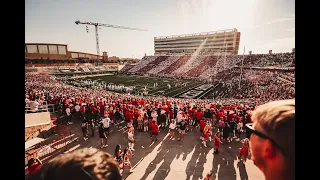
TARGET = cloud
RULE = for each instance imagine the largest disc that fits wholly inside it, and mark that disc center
(284, 39)
(274, 21)
(277, 45)
(280, 20)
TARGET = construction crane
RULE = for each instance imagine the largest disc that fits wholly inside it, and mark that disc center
(105, 25)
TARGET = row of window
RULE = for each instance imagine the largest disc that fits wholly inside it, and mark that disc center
(193, 38)
(79, 55)
(217, 46)
(192, 42)
(194, 45)
(192, 51)
(46, 49)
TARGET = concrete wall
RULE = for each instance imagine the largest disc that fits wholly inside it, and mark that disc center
(37, 119)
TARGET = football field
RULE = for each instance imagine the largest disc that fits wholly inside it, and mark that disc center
(154, 85)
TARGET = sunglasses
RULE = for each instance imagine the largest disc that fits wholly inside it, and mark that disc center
(261, 135)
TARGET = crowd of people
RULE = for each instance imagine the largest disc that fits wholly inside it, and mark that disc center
(146, 114)
(261, 85)
(183, 64)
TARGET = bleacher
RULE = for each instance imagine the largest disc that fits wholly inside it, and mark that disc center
(164, 64)
(144, 62)
(264, 60)
(188, 65)
(208, 62)
(174, 66)
(205, 66)
(65, 70)
(152, 64)
(127, 67)
(85, 69)
(100, 68)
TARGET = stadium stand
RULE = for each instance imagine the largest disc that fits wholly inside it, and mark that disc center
(164, 64)
(174, 66)
(191, 63)
(263, 60)
(152, 64)
(127, 67)
(144, 62)
(208, 62)
(186, 66)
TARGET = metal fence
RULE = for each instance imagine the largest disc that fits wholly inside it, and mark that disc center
(57, 143)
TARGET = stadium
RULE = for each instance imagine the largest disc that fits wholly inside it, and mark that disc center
(77, 100)
(181, 76)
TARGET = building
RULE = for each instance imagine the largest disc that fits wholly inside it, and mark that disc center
(209, 43)
(113, 58)
(47, 53)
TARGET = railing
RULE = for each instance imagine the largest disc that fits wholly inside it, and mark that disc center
(41, 108)
(51, 108)
(49, 65)
(51, 146)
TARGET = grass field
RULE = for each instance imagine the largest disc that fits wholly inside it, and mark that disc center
(140, 82)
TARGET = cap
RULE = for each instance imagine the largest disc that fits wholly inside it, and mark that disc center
(276, 121)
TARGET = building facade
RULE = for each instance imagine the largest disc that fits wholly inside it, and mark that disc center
(209, 43)
(55, 52)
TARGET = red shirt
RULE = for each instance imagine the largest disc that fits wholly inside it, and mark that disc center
(171, 114)
(154, 128)
(202, 124)
(131, 116)
(141, 102)
(101, 107)
(216, 141)
(229, 117)
(199, 115)
(190, 111)
(206, 135)
(127, 115)
(33, 168)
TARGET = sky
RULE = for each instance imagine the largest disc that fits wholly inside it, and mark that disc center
(264, 24)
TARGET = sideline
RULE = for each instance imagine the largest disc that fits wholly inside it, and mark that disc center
(90, 75)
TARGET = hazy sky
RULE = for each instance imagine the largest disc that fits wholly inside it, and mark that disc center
(264, 24)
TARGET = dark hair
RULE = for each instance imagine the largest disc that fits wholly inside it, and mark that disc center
(81, 164)
(117, 150)
(125, 151)
(30, 162)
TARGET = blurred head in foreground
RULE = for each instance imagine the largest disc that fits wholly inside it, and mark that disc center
(272, 139)
(82, 164)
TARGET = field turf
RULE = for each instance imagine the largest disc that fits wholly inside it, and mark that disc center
(140, 82)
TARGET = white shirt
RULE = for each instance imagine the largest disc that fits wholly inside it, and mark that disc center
(68, 111)
(172, 126)
(179, 117)
(130, 136)
(106, 122)
(239, 126)
(77, 108)
(27, 102)
(154, 116)
(33, 105)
